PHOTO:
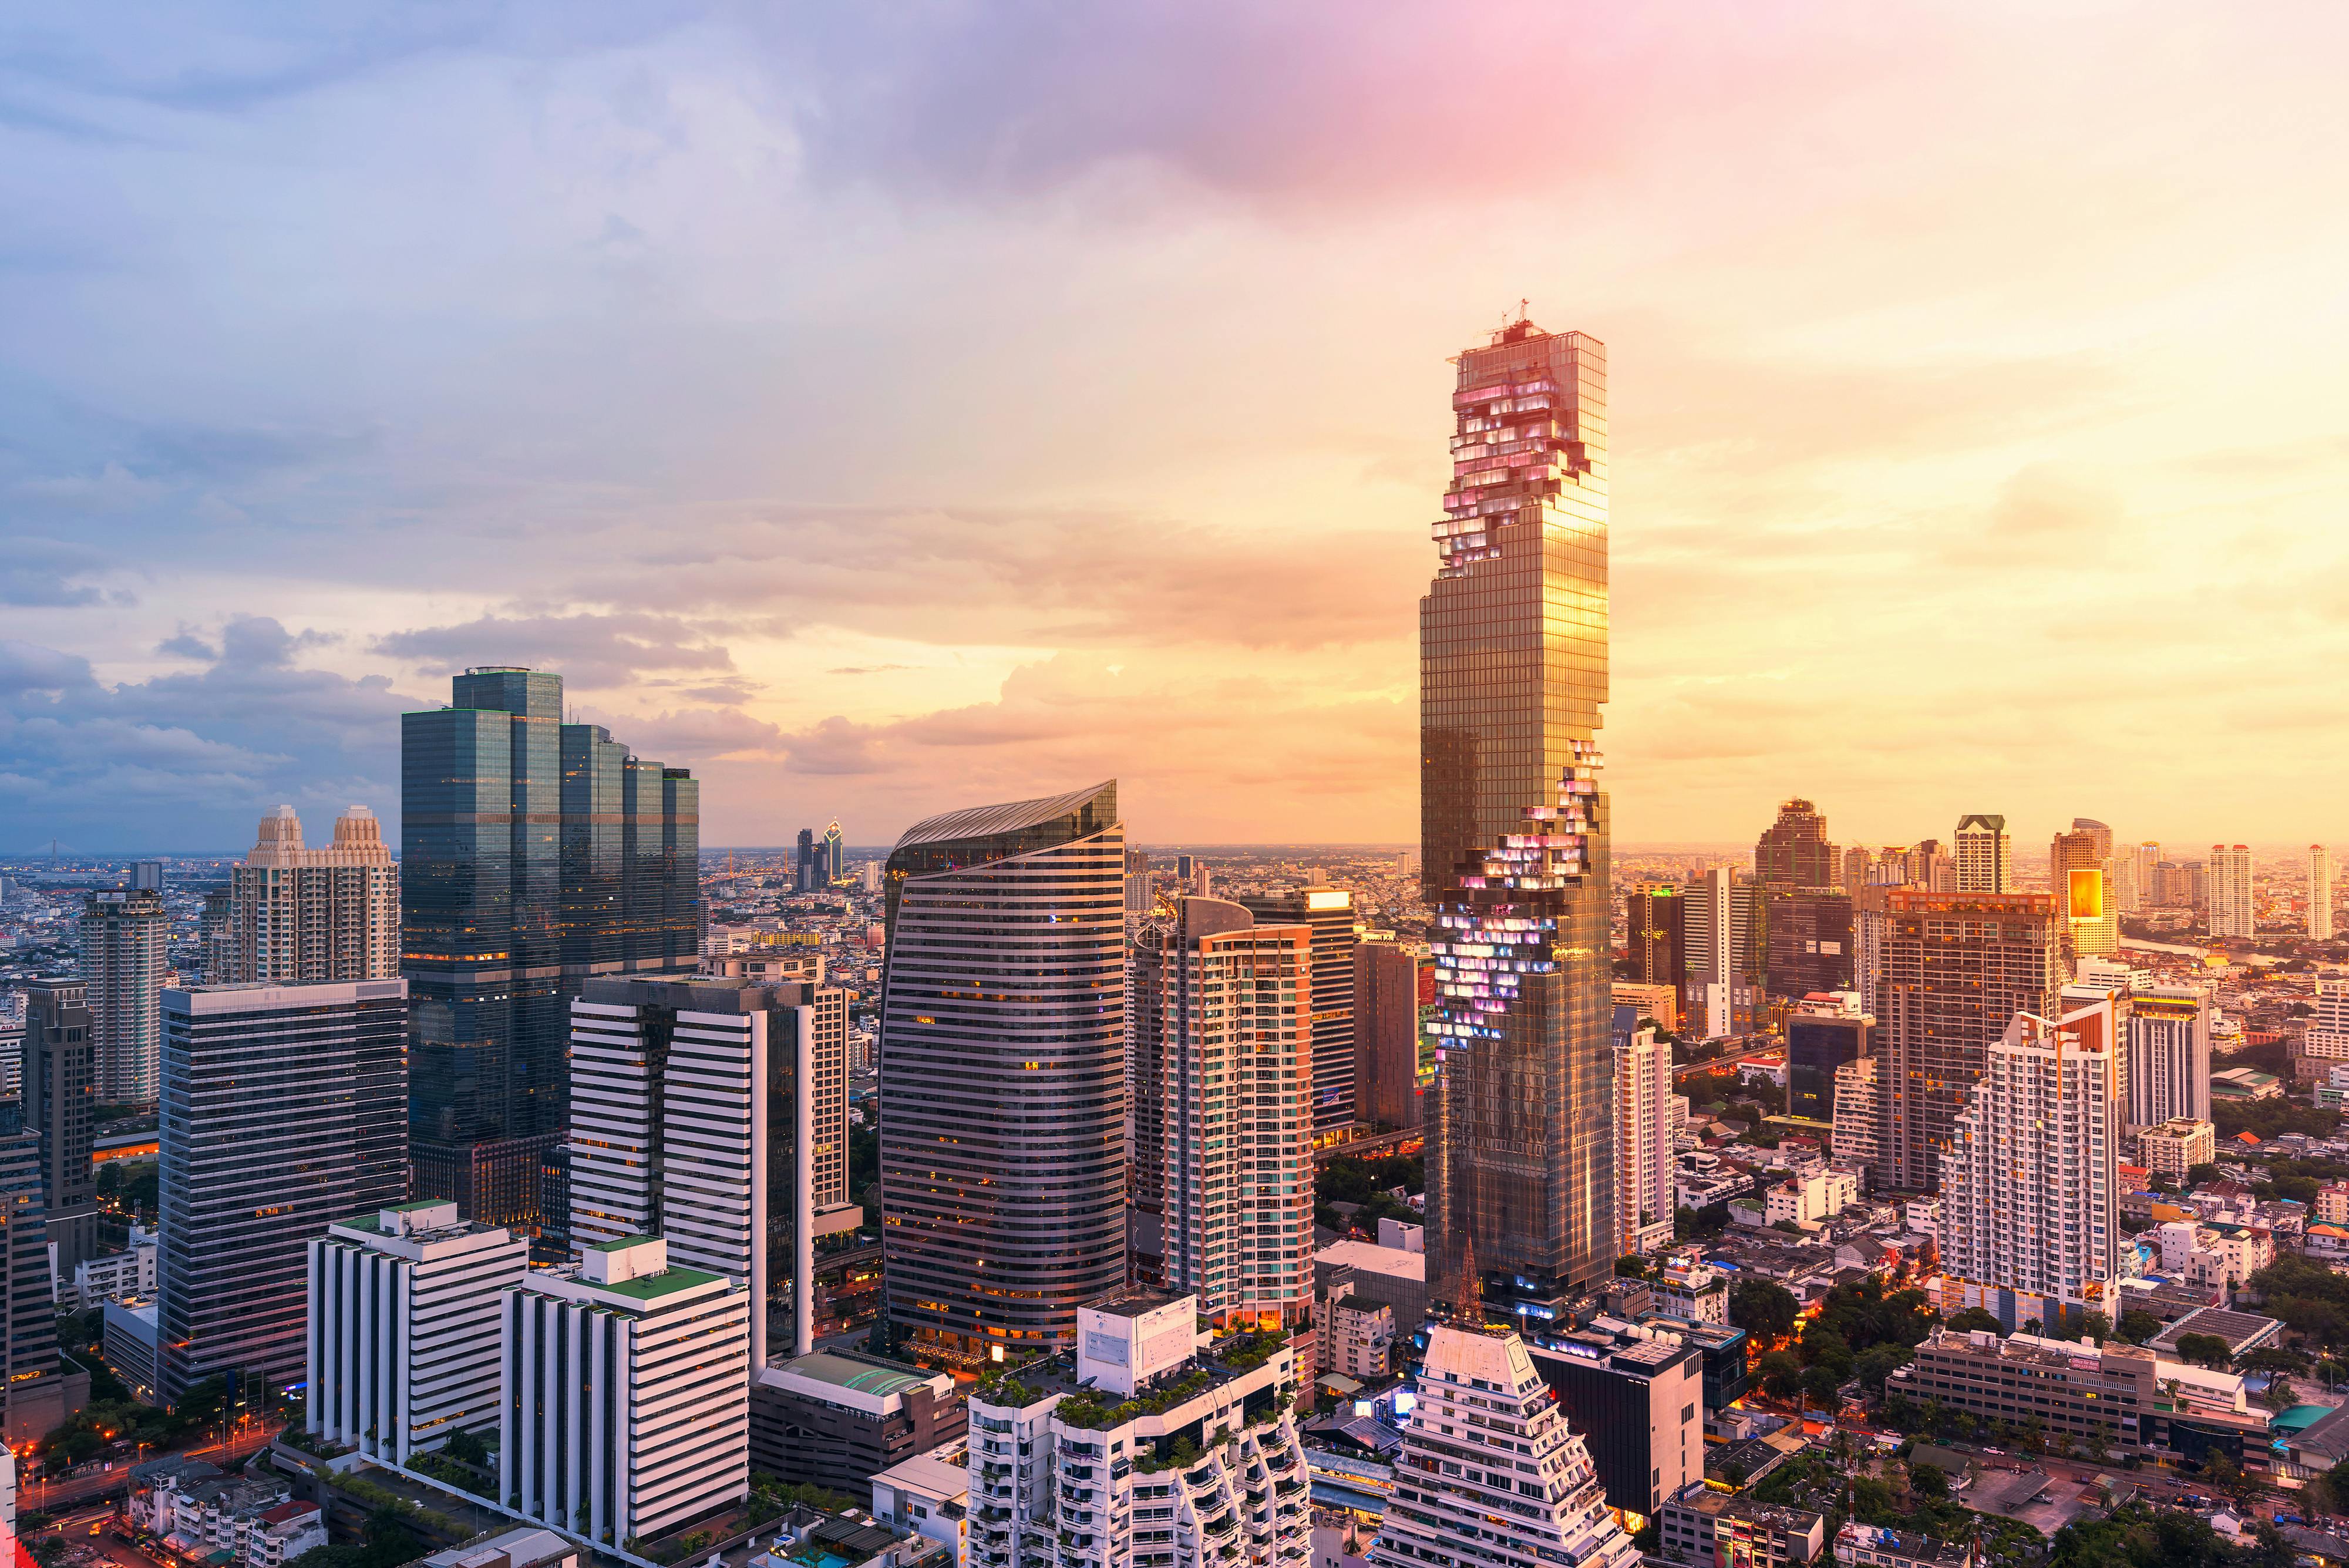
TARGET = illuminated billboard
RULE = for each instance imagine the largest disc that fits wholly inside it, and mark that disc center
(2087, 895)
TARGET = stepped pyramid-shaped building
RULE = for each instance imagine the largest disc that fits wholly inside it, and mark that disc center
(1489, 1471)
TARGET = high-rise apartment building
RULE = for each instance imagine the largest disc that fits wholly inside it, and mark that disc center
(38, 1394)
(1985, 863)
(693, 1118)
(146, 876)
(1657, 920)
(1003, 1075)
(1329, 913)
(2030, 1217)
(1793, 851)
(2319, 893)
(1145, 1100)
(1853, 1141)
(1138, 902)
(2078, 873)
(1235, 1067)
(1386, 1035)
(295, 914)
(1643, 1136)
(1925, 864)
(626, 1393)
(534, 855)
(1955, 968)
(1514, 825)
(124, 939)
(2133, 868)
(60, 1099)
(2231, 914)
(403, 1328)
(1489, 1459)
(285, 1109)
(2166, 1059)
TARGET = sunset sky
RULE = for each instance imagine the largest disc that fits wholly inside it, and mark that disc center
(887, 408)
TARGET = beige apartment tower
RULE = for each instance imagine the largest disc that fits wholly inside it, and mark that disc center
(2319, 893)
(2230, 892)
(297, 915)
(1984, 862)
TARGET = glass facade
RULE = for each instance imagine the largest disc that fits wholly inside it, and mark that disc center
(1003, 1076)
(533, 854)
(1815, 1047)
(1513, 673)
(282, 1111)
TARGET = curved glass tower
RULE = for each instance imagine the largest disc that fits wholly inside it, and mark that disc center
(1513, 670)
(1003, 1076)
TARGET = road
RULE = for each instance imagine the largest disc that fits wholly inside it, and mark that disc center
(38, 1492)
(74, 1528)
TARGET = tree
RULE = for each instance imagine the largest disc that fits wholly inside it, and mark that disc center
(1880, 1362)
(2201, 1172)
(1780, 1373)
(1974, 1319)
(2138, 1325)
(1821, 1385)
(2030, 1325)
(1762, 1308)
(1823, 1346)
(1929, 1481)
(2204, 1350)
(2093, 1325)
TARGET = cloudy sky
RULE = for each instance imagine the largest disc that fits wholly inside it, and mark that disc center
(887, 408)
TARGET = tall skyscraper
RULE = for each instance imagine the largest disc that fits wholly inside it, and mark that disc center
(2167, 1058)
(2319, 893)
(534, 855)
(836, 867)
(1489, 1459)
(2030, 1184)
(2076, 872)
(1003, 1075)
(283, 1110)
(1955, 968)
(1145, 1095)
(124, 937)
(60, 1098)
(1237, 1073)
(1329, 912)
(37, 1395)
(693, 1118)
(297, 914)
(2231, 914)
(1793, 851)
(1513, 673)
(1984, 862)
(1386, 1035)
(1643, 1136)
(1656, 917)
(803, 879)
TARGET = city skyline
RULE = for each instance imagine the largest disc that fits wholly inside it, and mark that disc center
(1868, 397)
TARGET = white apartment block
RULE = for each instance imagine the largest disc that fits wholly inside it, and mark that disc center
(1490, 1473)
(403, 1349)
(2173, 1148)
(117, 1275)
(1644, 1130)
(1853, 1140)
(2030, 1184)
(1353, 1338)
(1236, 1077)
(1984, 862)
(627, 1386)
(2214, 1254)
(1095, 1467)
(1806, 1197)
(2231, 914)
(1696, 1291)
(296, 915)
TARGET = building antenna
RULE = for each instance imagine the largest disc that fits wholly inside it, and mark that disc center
(1524, 308)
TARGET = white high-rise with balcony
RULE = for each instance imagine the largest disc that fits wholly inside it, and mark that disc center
(1643, 1141)
(1984, 864)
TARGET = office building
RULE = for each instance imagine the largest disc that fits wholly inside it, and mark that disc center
(295, 914)
(693, 1120)
(40, 1393)
(534, 855)
(2030, 1184)
(1637, 1399)
(1822, 1038)
(12, 1057)
(1701, 1528)
(1517, 1480)
(2127, 1395)
(837, 1418)
(1513, 828)
(1806, 941)
(2230, 892)
(1386, 1037)
(2078, 873)
(835, 856)
(2173, 1148)
(1643, 1136)
(283, 1110)
(60, 1100)
(1003, 1075)
(1723, 952)
(1077, 1463)
(124, 937)
(1955, 968)
(1655, 917)
(626, 1393)
(1236, 1065)
(804, 872)
(1329, 913)
(1983, 862)
(403, 1328)
(1793, 851)
(2168, 1055)
(2319, 893)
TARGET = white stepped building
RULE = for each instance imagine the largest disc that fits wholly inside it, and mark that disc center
(1490, 1475)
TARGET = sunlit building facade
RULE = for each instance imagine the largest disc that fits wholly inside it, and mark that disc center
(1513, 673)
(2319, 893)
(2230, 892)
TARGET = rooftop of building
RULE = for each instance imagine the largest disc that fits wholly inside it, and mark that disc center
(519, 1548)
(1133, 1300)
(1223, 1360)
(1699, 1498)
(1396, 1262)
(1903, 1543)
(2241, 1330)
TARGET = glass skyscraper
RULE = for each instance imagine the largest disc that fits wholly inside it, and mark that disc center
(1512, 671)
(1003, 1076)
(534, 855)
